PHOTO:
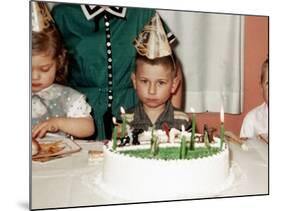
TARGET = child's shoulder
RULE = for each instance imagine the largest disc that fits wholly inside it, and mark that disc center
(181, 115)
(65, 90)
(256, 113)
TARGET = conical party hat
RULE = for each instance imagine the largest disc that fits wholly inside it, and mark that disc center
(41, 17)
(152, 42)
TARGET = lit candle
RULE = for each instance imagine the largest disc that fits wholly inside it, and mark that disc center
(182, 129)
(114, 136)
(222, 126)
(193, 129)
(123, 116)
(183, 143)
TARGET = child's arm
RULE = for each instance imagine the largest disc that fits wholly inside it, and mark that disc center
(78, 127)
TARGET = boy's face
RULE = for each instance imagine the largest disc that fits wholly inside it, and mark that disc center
(265, 86)
(154, 84)
(43, 71)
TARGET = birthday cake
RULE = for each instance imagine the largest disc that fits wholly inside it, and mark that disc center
(133, 173)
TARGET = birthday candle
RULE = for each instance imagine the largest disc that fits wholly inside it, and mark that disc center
(193, 129)
(222, 126)
(183, 143)
(153, 144)
(114, 136)
(123, 129)
(206, 138)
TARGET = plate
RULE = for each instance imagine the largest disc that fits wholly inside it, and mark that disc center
(52, 147)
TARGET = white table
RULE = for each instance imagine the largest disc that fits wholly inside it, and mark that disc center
(69, 181)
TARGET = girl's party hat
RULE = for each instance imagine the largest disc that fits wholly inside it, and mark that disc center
(41, 17)
(152, 42)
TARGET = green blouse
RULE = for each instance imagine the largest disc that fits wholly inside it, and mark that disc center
(89, 51)
(85, 41)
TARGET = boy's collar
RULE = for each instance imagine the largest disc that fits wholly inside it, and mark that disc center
(166, 116)
(91, 11)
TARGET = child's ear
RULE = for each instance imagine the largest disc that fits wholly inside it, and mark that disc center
(133, 78)
(175, 84)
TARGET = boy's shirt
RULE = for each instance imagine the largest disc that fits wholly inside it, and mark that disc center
(171, 117)
(255, 122)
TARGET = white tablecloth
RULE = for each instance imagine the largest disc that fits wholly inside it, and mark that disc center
(69, 181)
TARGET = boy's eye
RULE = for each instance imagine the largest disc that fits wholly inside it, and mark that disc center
(144, 81)
(161, 82)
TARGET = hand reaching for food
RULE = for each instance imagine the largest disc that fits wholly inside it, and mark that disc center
(50, 125)
(78, 127)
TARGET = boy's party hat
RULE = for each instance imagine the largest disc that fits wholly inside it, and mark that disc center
(152, 42)
(41, 17)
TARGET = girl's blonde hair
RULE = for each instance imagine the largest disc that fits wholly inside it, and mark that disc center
(48, 42)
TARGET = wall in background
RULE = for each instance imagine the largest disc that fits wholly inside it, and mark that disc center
(256, 51)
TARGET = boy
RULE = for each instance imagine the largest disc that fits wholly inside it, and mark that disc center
(255, 124)
(155, 82)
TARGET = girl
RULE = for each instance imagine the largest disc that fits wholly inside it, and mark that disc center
(55, 108)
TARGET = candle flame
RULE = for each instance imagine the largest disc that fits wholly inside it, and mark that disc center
(122, 110)
(192, 110)
(114, 120)
(222, 114)
(182, 128)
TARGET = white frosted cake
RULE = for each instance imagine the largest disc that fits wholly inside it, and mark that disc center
(148, 179)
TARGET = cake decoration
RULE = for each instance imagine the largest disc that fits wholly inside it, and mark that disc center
(135, 134)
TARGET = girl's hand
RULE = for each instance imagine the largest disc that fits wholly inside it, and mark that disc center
(50, 125)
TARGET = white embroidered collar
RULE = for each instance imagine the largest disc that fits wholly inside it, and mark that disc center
(91, 11)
